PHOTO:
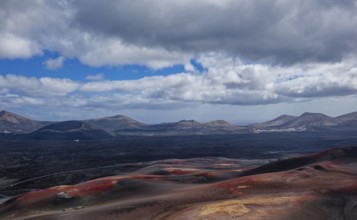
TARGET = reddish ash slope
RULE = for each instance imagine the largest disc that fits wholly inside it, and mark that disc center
(319, 186)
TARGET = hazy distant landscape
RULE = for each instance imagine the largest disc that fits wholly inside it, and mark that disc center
(119, 125)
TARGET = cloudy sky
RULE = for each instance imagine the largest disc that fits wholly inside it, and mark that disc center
(157, 60)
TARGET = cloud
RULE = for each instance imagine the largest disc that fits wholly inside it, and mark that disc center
(96, 77)
(53, 64)
(113, 52)
(253, 52)
(228, 81)
(16, 47)
(228, 85)
(37, 87)
(138, 32)
(20, 24)
(277, 31)
(26, 29)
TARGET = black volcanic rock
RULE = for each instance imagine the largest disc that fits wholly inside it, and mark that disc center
(13, 123)
(116, 124)
(70, 130)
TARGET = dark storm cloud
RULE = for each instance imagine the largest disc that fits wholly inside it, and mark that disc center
(278, 31)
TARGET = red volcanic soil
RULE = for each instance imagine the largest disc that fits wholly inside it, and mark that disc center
(314, 187)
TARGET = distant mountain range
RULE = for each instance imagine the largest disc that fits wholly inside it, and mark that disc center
(308, 122)
(122, 125)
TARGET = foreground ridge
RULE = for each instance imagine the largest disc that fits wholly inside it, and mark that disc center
(315, 186)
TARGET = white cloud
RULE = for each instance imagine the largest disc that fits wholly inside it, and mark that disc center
(227, 81)
(26, 29)
(12, 46)
(37, 87)
(113, 52)
(96, 77)
(230, 81)
(53, 64)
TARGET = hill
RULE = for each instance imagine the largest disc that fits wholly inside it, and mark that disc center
(347, 119)
(70, 130)
(116, 124)
(13, 123)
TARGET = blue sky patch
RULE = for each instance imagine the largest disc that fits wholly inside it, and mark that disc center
(75, 70)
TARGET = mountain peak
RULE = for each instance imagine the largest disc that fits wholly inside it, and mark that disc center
(312, 114)
(121, 118)
(352, 115)
(279, 121)
(13, 123)
(282, 119)
(11, 117)
(315, 116)
(219, 123)
(5, 113)
(118, 116)
(2, 112)
(113, 124)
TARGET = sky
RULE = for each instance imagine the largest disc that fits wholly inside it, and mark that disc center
(243, 61)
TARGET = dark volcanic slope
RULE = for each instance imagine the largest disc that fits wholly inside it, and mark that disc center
(187, 127)
(281, 120)
(13, 123)
(348, 119)
(315, 187)
(310, 120)
(69, 130)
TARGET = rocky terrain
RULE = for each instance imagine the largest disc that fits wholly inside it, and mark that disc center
(316, 186)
